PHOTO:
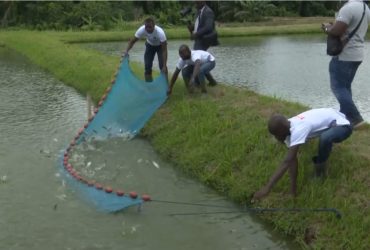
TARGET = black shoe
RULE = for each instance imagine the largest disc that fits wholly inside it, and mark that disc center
(358, 123)
(212, 83)
(320, 170)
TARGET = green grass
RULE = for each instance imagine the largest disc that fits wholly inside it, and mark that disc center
(222, 140)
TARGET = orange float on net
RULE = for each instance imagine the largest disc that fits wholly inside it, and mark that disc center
(133, 195)
(145, 197)
(120, 193)
(83, 180)
(77, 176)
(108, 190)
(90, 183)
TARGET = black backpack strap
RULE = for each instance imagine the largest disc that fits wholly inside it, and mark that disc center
(358, 25)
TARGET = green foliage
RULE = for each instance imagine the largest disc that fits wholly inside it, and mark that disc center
(85, 15)
(314, 9)
(108, 15)
(243, 11)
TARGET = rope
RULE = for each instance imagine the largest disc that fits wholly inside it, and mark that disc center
(337, 213)
(190, 204)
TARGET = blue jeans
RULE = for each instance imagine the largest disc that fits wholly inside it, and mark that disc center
(149, 54)
(327, 138)
(341, 77)
(204, 69)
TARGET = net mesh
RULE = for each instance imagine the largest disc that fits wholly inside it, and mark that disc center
(122, 111)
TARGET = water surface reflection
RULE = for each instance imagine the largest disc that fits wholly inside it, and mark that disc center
(294, 68)
(38, 117)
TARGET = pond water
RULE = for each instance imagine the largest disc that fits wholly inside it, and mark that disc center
(294, 68)
(38, 117)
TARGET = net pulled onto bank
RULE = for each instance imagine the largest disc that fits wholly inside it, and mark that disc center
(122, 111)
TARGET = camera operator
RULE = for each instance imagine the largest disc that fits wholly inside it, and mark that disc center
(203, 31)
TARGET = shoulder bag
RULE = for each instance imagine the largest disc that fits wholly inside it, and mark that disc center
(335, 44)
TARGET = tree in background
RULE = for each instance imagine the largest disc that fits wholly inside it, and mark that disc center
(7, 13)
(104, 15)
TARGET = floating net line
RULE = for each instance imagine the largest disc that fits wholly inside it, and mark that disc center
(122, 111)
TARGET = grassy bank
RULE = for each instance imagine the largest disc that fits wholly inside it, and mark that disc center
(222, 140)
(275, 26)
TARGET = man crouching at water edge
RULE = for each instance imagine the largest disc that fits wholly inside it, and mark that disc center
(195, 64)
(329, 125)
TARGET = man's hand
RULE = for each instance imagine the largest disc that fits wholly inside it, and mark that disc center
(169, 91)
(326, 26)
(190, 27)
(192, 81)
(193, 36)
(164, 70)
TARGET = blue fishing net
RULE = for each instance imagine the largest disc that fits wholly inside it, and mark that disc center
(129, 105)
(123, 110)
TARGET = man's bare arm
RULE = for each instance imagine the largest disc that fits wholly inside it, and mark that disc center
(290, 162)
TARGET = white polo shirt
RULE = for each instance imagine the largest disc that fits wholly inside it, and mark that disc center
(311, 123)
(201, 55)
(155, 38)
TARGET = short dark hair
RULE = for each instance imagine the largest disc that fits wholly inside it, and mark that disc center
(184, 47)
(149, 20)
(275, 122)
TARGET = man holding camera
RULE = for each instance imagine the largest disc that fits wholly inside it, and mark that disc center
(350, 25)
(203, 31)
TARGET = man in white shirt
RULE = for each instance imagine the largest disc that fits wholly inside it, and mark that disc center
(329, 125)
(194, 64)
(156, 43)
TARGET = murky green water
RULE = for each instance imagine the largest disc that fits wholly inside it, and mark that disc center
(294, 68)
(38, 117)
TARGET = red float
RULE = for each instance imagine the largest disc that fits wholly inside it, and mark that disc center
(108, 189)
(146, 197)
(133, 195)
(90, 183)
(120, 192)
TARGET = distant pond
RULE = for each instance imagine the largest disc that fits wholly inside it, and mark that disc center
(294, 68)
